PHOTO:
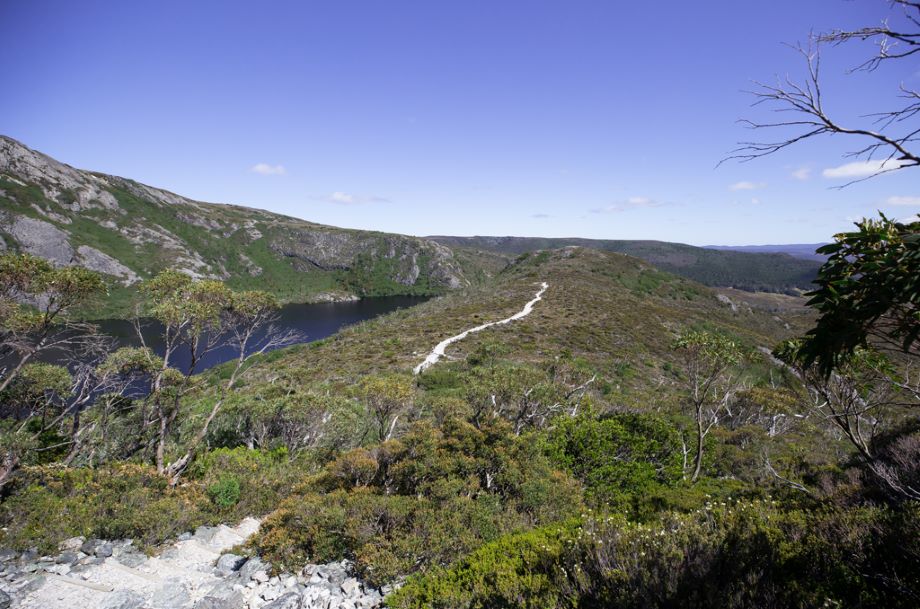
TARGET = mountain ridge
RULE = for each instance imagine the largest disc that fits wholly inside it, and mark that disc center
(769, 272)
(129, 231)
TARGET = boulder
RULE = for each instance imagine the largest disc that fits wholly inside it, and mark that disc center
(170, 595)
(5, 600)
(291, 600)
(123, 599)
(229, 563)
(251, 567)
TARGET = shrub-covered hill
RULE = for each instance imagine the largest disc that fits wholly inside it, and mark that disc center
(559, 460)
(130, 231)
(614, 313)
(761, 272)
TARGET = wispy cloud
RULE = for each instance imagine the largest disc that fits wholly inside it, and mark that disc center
(629, 204)
(744, 185)
(541, 216)
(344, 198)
(860, 169)
(802, 173)
(268, 170)
(906, 201)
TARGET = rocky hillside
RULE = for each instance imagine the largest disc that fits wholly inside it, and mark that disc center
(762, 271)
(130, 231)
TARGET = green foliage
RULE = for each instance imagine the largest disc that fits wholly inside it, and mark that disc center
(244, 482)
(49, 504)
(424, 500)
(869, 289)
(225, 493)
(623, 460)
(732, 555)
(714, 350)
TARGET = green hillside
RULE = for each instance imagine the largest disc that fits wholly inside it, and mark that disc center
(129, 231)
(756, 272)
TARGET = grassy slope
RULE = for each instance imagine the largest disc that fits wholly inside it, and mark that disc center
(613, 311)
(749, 271)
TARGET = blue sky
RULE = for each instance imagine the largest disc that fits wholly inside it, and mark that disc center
(591, 119)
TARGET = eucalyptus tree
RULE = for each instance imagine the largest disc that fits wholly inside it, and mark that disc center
(710, 382)
(36, 397)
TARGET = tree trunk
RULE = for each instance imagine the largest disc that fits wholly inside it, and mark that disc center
(698, 461)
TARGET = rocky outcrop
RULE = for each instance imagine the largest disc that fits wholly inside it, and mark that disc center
(71, 188)
(97, 261)
(47, 241)
(197, 572)
(171, 231)
(40, 238)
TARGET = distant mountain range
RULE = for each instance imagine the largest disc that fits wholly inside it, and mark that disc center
(768, 272)
(806, 251)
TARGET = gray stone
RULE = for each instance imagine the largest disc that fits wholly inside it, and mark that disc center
(225, 590)
(170, 595)
(291, 600)
(229, 563)
(6, 554)
(42, 239)
(95, 260)
(270, 592)
(123, 599)
(184, 536)
(350, 586)
(212, 602)
(250, 568)
(132, 558)
(73, 544)
(104, 550)
(58, 569)
(32, 584)
(67, 558)
(89, 546)
(5, 600)
(260, 576)
(205, 534)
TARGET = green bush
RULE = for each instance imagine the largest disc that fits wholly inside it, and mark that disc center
(742, 555)
(624, 460)
(244, 482)
(47, 505)
(427, 499)
(226, 492)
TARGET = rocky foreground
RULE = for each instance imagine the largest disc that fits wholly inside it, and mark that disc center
(196, 572)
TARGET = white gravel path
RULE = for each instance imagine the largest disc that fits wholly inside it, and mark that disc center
(187, 565)
(438, 352)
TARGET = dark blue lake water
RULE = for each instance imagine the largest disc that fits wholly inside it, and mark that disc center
(312, 321)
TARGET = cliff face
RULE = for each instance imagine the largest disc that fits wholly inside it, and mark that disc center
(130, 231)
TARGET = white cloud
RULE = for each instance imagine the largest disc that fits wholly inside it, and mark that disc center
(747, 185)
(268, 170)
(344, 198)
(755, 201)
(908, 201)
(802, 173)
(540, 216)
(861, 169)
(627, 205)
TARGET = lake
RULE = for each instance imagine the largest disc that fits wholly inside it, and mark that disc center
(312, 321)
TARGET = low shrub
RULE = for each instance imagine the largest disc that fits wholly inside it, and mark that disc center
(49, 504)
(244, 482)
(747, 554)
(432, 496)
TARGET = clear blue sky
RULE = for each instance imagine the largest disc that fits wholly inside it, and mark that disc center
(569, 118)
